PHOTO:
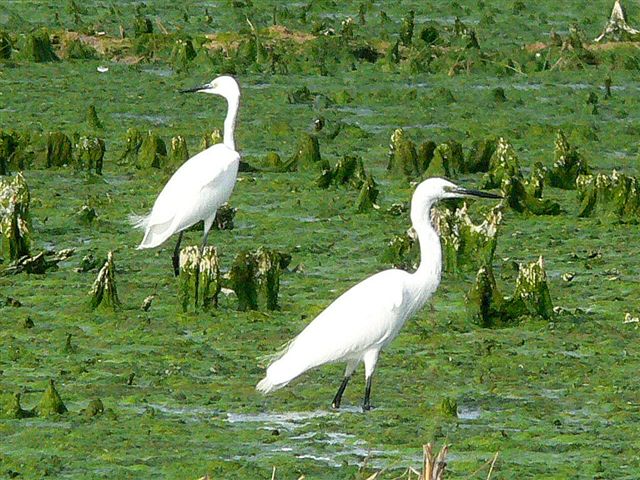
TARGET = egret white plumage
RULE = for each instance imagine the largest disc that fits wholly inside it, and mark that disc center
(367, 317)
(203, 183)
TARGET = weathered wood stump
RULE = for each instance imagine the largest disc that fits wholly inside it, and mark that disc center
(199, 281)
(15, 221)
(104, 292)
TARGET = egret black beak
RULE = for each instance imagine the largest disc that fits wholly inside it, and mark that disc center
(476, 193)
(195, 89)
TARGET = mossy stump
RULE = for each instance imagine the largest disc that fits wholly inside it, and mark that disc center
(479, 156)
(484, 301)
(448, 160)
(368, 195)
(503, 164)
(402, 251)
(182, 54)
(349, 170)
(59, 150)
(466, 245)
(403, 157)
(224, 217)
(199, 281)
(211, 138)
(617, 29)
(567, 165)
(92, 118)
(268, 263)
(153, 152)
(51, 403)
(141, 26)
(425, 153)
(531, 297)
(133, 142)
(94, 409)
(178, 153)
(90, 154)
(15, 221)
(518, 198)
(616, 195)
(8, 145)
(307, 154)
(15, 410)
(255, 278)
(5, 46)
(37, 47)
(243, 280)
(104, 292)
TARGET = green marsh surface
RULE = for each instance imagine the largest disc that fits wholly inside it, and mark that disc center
(557, 399)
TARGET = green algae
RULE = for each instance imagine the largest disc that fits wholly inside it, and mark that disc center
(615, 195)
(516, 388)
(153, 152)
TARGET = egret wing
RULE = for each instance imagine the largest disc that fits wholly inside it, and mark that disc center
(362, 318)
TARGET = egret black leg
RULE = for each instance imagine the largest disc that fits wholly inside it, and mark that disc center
(366, 405)
(176, 256)
(338, 398)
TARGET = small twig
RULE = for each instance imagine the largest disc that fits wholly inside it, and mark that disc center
(495, 457)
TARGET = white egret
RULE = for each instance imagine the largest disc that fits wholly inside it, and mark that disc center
(367, 317)
(203, 183)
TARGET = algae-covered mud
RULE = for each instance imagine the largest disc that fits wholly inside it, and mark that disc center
(111, 367)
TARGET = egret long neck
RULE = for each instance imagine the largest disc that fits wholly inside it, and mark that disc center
(230, 122)
(427, 276)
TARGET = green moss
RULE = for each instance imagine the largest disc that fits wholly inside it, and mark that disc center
(152, 153)
(59, 150)
(51, 403)
(104, 292)
(425, 153)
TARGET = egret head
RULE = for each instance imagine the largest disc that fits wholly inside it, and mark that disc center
(435, 189)
(224, 85)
